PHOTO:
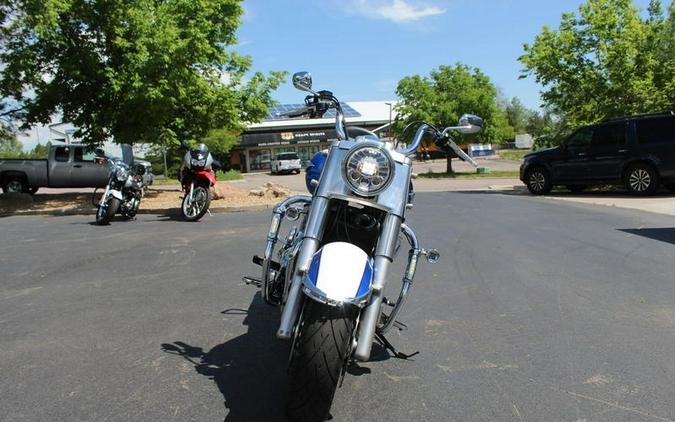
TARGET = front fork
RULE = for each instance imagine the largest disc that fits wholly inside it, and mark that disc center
(370, 316)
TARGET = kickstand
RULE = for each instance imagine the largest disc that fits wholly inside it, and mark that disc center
(387, 345)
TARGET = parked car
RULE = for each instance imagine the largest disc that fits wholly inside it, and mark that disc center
(286, 162)
(636, 151)
(66, 166)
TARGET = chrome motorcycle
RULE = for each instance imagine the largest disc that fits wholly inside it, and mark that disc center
(124, 190)
(330, 269)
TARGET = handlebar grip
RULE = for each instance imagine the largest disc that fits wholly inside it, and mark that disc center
(296, 113)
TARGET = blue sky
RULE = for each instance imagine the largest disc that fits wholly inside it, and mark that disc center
(359, 49)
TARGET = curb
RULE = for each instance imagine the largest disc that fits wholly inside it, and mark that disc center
(161, 211)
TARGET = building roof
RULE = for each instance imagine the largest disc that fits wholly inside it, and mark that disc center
(357, 113)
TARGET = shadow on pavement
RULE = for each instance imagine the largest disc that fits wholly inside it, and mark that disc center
(665, 234)
(249, 370)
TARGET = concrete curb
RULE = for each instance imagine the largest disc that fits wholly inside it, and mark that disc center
(159, 211)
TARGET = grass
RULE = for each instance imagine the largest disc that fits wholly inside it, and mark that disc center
(513, 154)
(220, 176)
(463, 175)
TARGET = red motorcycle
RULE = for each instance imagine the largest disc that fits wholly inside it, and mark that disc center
(197, 176)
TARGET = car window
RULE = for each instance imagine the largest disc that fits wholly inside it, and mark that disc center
(62, 154)
(610, 135)
(291, 156)
(83, 155)
(581, 138)
(651, 131)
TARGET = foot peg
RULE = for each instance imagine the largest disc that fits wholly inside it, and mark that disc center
(252, 281)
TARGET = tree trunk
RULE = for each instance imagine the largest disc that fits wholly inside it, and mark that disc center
(448, 168)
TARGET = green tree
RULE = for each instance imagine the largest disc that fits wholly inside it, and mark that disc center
(518, 115)
(10, 146)
(130, 70)
(442, 97)
(606, 61)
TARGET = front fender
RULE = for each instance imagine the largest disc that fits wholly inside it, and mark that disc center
(339, 273)
(116, 194)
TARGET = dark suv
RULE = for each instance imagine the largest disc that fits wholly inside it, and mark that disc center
(638, 152)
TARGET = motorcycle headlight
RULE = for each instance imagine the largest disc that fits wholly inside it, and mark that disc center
(121, 174)
(198, 163)
(368, 170)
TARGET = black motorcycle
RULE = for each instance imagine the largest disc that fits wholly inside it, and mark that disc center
(124, 190)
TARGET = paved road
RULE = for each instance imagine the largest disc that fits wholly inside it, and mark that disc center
(538, 311)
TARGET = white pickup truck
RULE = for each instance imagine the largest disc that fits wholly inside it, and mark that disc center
(66, 166)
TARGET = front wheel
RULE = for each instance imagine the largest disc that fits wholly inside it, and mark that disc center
(321, 351)
(195, 209)
(538, 181)
(107, 211)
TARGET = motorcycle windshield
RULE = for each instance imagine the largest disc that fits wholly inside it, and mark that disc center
(127, 154)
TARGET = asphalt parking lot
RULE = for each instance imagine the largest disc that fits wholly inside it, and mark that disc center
(538, 311)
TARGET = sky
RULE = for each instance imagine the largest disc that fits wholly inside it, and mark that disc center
(360, 49)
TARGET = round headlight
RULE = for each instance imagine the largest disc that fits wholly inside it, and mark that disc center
(368, 170)
(121, 174)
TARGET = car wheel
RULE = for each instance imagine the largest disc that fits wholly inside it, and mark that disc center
(14, 185)
(538, 181)
(641, 179)
(576, 188)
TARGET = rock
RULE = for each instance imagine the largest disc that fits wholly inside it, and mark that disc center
(270, 190)
(257, 192)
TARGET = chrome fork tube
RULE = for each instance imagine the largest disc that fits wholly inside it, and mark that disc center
(371, 314)
(310, 244)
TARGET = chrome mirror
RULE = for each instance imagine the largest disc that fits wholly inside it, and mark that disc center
(469, 124)
(303, 81)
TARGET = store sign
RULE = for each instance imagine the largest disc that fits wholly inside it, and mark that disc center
(287, 138)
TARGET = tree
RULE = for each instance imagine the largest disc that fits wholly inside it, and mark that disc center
(607, 61)
(130, 70)
(442, 97)
(10, 146)
(518, 115)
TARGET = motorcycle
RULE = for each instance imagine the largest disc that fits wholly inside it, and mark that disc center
(197, 176)
(124, 190)
(330, 269)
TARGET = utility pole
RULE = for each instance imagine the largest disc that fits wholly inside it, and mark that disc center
(389, 131)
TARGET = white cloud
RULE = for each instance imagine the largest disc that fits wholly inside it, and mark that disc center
(399, 11)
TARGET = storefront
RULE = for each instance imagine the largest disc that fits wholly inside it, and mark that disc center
(275, 135)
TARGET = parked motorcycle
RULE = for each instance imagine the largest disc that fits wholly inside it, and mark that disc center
(330, 269)
(197, 176)
(124, 190)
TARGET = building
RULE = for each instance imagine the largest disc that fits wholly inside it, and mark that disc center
(276, 134)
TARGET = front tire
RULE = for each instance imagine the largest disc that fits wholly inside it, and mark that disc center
(641, 179)
(195, 209)
(106, 213)
(538, 181)
(320, 354)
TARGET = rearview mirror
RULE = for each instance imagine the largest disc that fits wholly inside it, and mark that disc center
(303, 81)
(470, 124)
